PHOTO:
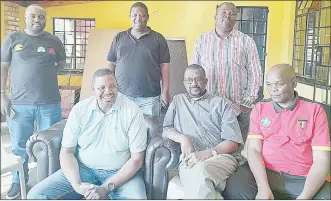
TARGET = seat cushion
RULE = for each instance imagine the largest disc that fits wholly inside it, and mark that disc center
(175, 189)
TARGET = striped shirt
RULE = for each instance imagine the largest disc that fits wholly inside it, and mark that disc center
(232, 66)
(207, 121)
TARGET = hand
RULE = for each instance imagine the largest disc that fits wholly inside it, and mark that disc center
(165, 98)
(195, 157)
(243, 108)
(186, 145)
(5, 105)
(95, 192)
(264, 194)
(82, 187)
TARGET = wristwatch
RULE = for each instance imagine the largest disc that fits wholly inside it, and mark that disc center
(111, 186)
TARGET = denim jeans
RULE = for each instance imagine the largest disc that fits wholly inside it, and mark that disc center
(149, 105)
(21, 127)
(56, 186)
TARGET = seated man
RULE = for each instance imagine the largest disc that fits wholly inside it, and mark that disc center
(208, 133)
(110, 135)
(288, 146)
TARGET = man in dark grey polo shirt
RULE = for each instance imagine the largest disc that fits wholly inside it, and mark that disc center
(208, 132)
(140, 58)
(35, 57)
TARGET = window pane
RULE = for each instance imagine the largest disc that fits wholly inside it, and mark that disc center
(260, 14)
(59, 24)
(237, 26)
(60, 35)
(247, 26)
(261, 52)
(248, 14)
(80, 23)
(259, 40)
(80, 50)
(238, 13)
(69, 49)
(69, 25)
(260, 27)
(69, 38)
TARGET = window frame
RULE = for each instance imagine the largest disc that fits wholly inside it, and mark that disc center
(74, 70)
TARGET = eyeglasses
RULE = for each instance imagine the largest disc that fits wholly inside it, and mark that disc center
(197, 79)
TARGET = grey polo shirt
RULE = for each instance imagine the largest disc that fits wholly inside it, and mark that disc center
(137, 61)
(33, 69)
(207, 121)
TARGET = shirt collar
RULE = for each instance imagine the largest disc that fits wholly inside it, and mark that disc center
(150, 30)
(203, 97)
(232, 33)
(278, 108)
(115, 107)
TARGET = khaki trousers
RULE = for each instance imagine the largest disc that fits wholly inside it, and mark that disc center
(207, 179)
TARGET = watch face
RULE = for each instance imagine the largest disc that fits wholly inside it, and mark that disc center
(111, 186)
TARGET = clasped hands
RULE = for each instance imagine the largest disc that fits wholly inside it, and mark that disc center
(92, 191)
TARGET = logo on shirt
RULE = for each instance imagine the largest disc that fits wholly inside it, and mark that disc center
(41, 49)
(18, 47)
(51, 50)
(302, 123)
(265, 122)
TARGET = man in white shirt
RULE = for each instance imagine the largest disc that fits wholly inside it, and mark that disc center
(110, 135)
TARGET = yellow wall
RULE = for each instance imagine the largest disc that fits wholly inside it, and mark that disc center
(186, 19)
(2, 20)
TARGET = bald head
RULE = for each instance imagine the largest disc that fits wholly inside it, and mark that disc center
(280, 81)
(32, 7)
(285, 71)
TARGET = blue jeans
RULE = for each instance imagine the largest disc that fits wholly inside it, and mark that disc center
(22, 127)
(149, 105)
(56, 186)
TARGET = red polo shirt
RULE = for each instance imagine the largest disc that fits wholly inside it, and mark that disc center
(289, 135)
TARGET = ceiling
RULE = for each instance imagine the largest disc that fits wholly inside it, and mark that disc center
(50, 3)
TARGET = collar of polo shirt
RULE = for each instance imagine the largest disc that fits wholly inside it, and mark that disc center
(203, 97)
(278, 108)
(115, 107)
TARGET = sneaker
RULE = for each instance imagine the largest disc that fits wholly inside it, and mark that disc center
(14, 191)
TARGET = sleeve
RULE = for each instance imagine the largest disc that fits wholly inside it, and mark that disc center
(137, 133)
(164, 56)
(254, 74)
(230, 129)
(321, 137)
(196, 58)
(168, 122)
(254, 125)
(61, 52)
(112, 51)
(71, 130)
(6, 49)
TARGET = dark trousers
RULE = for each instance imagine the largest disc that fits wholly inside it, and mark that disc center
(241, 185)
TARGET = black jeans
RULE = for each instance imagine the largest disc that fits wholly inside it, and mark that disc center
(241, 185)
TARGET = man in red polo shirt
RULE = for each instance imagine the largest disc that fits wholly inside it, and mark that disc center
(288, 146)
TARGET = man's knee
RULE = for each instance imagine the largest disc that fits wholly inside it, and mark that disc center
(240, 185)
(36, 194)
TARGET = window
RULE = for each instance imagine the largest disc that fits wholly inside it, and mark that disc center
(11, 15)
(312, 43)
(74, 35)
(253, 22)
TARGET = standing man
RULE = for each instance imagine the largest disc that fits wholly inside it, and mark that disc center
(288, 146)
(35, 56)
(232, 64)
(140, 58)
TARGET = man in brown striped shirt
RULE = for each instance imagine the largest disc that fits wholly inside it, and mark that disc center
(232, 64)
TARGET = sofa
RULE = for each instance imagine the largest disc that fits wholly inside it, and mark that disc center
(162, 155)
